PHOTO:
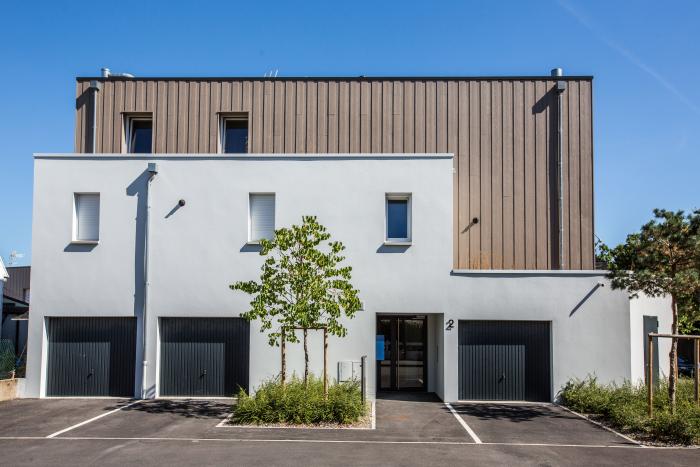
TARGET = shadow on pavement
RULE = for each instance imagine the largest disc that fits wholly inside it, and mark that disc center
(509, 412)
(186, 407)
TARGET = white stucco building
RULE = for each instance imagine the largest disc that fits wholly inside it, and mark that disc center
(198, 249)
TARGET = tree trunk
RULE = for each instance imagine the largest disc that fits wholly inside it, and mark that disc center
(306, 360)
(283, 349)
(325, 364)
(673, 355)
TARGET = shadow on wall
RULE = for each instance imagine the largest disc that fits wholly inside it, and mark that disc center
(549, 102)
(139, 188)
(79, 248)
(393, 248)
(585, 298)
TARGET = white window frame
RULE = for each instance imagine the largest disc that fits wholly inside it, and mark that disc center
(251, 240)
(223, 118)
(409, 219)
(74, 236)
(129, 120)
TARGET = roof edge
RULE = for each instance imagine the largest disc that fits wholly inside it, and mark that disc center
(246, 157)
(341, 78)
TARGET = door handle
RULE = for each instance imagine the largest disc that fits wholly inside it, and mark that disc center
(204, 372)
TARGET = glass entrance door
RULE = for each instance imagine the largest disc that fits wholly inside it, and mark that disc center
(401, 352)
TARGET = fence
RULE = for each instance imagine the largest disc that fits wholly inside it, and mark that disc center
(8, 360)
(650, 366)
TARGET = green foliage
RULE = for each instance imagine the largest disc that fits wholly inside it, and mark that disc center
(624, 407)
(662, 258)
(302, 284)
(296, 403)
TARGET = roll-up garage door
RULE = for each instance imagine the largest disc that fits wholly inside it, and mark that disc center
(504, 360)
(203, 356)
(91, 356)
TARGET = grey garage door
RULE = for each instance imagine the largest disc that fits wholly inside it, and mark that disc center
(91, 356)
(504, 360)
(203, 356)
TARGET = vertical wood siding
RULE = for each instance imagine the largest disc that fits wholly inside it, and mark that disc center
(501, 132)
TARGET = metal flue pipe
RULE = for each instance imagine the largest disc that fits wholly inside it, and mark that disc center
(560, 88)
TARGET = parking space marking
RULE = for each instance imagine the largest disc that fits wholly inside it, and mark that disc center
(463, 423)
(77, 425)
(602, 426)
(339, 441)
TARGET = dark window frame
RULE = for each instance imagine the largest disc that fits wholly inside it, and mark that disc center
(407, 199)
(129, 120)
(224, 118)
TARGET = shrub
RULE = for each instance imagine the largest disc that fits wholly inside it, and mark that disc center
(299, 404)
(625, 408)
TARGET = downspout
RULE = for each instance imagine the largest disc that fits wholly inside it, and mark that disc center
(560, 88)
(152, 171)
(95, 86)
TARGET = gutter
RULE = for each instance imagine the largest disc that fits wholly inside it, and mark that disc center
(559, 88)
(152, 171)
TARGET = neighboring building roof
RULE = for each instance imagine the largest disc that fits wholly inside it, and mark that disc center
(3, 272)
(17, 283)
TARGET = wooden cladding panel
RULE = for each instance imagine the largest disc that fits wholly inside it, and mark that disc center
(503, 134)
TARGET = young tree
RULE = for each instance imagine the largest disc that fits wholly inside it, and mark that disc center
(663, 258)
(302, 285)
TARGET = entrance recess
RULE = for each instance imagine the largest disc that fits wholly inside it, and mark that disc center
(401, 353)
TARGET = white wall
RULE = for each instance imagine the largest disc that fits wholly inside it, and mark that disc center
(199, 249)
(649, 306)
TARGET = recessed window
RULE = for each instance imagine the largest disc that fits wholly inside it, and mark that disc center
(398, 218)
(234, 134)
(262, 217)
(86, 217)
(139, 134)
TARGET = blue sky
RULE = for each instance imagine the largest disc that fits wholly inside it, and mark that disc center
(644, 56)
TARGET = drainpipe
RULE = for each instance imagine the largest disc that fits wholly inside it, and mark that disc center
(95, 87)
(560, 88)
(152, 171)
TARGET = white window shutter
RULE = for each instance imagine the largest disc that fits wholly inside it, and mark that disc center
(262, 217)
(87, 221)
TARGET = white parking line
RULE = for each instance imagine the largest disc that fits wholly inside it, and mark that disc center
(53, 435)
(464, 424)
(603, 426)
(340, 441)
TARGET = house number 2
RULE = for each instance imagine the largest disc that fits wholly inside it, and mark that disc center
(450, 325)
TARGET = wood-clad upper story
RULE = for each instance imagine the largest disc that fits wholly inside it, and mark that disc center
(502, 132)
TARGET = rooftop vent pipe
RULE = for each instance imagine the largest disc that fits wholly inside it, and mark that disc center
(107, 73)
(559, 88)
(95, 87)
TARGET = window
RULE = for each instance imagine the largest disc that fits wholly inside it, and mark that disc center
(398, 218)
(86, 217)
(139, 134)
(234, 134)
(262, 217)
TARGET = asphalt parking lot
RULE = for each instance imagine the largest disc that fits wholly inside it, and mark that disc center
(409, 430)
